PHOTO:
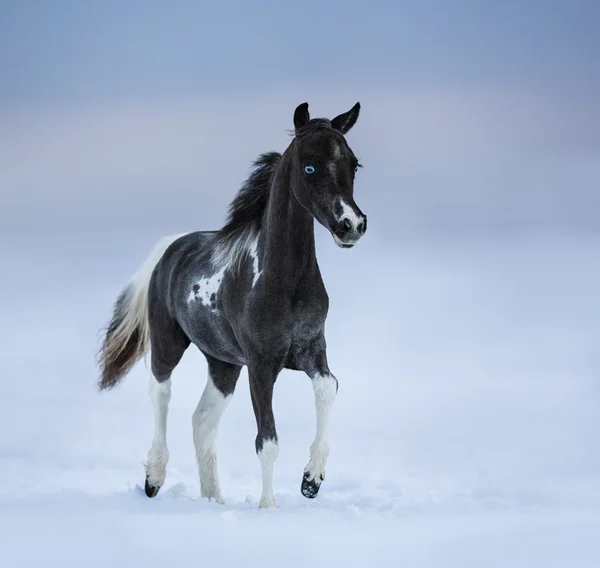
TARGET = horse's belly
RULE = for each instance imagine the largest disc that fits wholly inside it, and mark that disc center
(213, 335)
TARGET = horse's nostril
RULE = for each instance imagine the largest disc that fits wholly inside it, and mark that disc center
(362, 227)
(347, 224)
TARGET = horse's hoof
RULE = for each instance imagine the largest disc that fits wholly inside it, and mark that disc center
(150, 490)
(310, 488)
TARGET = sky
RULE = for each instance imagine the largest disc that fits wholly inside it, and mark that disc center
(475, 116)
(63, 52)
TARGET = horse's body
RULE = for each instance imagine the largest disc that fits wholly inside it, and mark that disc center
(250, 294)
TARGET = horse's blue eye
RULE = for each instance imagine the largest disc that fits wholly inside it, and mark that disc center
(309, 169)
(356, 170)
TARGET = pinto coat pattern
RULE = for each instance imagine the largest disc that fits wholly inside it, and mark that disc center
(249, 294)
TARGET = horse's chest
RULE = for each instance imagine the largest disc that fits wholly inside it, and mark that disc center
(307, 317)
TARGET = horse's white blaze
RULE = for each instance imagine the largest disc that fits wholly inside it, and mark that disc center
(205, 423)
(349, 213)
(158, 455)
(267, 456)
(337, 150)
(325, 389)
(337, 154)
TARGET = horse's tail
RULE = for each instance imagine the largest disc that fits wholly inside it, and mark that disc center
(127, 338)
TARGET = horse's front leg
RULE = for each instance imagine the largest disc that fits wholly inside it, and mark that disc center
(262, 374)
(325, 387)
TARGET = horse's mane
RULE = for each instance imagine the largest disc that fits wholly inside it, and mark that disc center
(313, 126)
(247, 208)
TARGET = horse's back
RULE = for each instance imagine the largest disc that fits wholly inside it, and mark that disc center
(171, 275)
(187, 251)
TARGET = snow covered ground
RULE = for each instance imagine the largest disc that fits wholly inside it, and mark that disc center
(465, 432)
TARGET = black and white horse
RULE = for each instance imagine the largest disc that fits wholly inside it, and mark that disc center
(248, 294)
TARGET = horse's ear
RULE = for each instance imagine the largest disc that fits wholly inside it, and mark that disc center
(344, 122)
(301, 116)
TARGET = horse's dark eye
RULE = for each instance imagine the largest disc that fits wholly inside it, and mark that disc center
(309, 169)
(356, 170)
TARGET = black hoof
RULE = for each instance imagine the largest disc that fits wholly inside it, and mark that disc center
(310, 488)
(150, 490)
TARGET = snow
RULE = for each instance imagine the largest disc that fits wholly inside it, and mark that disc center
(465, 432)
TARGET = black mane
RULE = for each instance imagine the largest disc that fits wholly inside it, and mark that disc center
(247, 208)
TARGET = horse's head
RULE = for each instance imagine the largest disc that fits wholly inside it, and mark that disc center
(324, 167)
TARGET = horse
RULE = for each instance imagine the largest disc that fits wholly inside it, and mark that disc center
(248, 294)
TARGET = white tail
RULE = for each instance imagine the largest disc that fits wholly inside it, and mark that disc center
(128, 336)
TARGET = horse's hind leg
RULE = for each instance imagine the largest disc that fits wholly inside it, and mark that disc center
(168, 345)
(158, 454)
(222, 378)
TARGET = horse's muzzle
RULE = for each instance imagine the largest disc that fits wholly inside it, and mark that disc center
(349, 231)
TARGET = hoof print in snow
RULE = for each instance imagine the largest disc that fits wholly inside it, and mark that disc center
(310, 488)
(150, 490)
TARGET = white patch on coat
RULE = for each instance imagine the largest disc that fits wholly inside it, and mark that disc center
(267, 456)
(206, 287)
(349, 213)
(230, 254)
(158, 455)
(226, 257)
(325, 389)
(253, 252)
(205, 424)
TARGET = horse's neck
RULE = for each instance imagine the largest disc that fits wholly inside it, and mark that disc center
(289, 239)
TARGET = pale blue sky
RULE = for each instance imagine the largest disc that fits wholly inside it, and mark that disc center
(71, 51)
(474, 114)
